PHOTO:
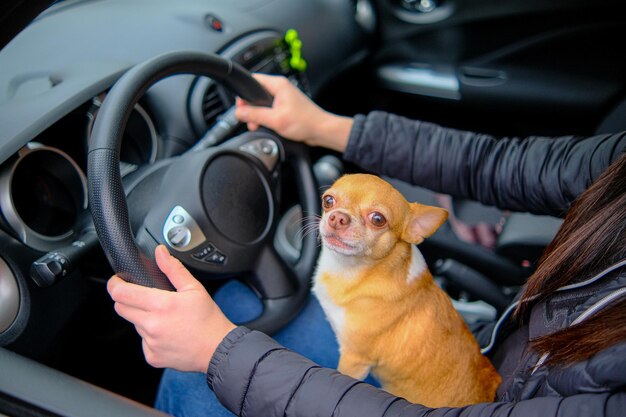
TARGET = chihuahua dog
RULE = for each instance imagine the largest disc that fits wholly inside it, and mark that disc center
(388, 314)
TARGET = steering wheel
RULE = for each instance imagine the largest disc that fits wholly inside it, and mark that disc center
(214, 209)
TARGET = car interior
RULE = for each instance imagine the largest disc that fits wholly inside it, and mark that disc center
(117, 133)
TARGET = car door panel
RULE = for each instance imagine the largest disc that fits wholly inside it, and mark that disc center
(516, 68)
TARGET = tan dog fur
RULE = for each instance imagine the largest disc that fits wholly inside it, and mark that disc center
(388, 314)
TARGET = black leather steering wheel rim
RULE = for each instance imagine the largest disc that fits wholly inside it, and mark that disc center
(108, 203)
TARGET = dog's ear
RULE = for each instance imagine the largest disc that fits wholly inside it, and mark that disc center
(423, 221)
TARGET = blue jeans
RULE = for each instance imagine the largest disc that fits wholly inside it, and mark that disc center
(187, 394)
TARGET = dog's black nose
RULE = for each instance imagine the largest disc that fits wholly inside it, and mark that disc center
(339, 220)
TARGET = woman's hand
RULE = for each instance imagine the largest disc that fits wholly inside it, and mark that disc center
(181, 329)
(294, 116)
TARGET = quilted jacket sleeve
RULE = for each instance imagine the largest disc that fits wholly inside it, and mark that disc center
(536, 174)
(253, 376)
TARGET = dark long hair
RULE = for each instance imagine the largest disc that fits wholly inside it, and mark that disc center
(592, 238)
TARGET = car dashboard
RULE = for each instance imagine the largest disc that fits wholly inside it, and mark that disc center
(44, 185)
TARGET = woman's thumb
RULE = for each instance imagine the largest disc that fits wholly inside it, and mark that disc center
(175, 271)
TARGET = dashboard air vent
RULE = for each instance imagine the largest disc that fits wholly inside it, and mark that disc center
(212, 104)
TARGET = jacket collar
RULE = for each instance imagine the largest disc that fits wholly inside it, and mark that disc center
(567, 305)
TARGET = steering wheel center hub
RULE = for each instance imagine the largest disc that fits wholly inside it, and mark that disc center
(237, 198)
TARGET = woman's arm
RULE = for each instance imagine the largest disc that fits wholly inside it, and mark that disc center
(537, 174)
(252, 375)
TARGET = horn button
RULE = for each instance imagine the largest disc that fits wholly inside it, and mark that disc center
(237, 199)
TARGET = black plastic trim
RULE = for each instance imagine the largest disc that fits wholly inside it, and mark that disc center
(57, 393)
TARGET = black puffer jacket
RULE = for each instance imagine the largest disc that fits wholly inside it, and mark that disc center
(254, 376)
(537, 174)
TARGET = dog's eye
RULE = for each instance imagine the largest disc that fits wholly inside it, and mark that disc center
(328, 201)
(377, 219)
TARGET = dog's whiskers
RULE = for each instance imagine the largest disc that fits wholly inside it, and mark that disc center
(309, 218)
(310, 224)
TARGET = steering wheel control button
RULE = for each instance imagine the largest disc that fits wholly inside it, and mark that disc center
(181, 231)
(206, 251)
(209, 254)
(266, 150)
(179, 236)
(217, 258)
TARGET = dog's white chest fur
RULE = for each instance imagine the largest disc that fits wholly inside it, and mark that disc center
(335, 314)
(344, 267)
(331, 262)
